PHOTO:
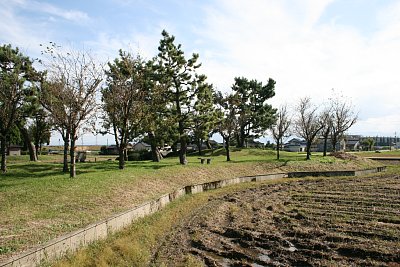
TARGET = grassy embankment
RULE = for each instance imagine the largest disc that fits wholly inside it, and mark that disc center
(39, 203)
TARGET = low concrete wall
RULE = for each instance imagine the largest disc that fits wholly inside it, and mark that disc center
(317, 174)
(384, 158)
(335, 173)
(71, 242)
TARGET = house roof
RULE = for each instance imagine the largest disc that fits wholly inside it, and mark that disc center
(15, 147)
(295, 142)
(352, 142)
(142, 143)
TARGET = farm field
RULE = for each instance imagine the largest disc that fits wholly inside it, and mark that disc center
(288, 222)
(339, 222)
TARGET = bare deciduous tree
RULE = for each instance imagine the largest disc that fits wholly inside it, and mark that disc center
(307, 124)
(343, 117)
(58, 117)
(326, 120)
(280, 128)
(70, 96)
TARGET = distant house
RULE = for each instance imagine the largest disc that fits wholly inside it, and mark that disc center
(346, 143)
(318, 145)
(295, 145)
(351, 143)
(14, 150)
(214, 144)
(254, 144)
(397, 145)
(141, 146)
(192, 147)
(113, 149)
(189, 147)
(110, 150)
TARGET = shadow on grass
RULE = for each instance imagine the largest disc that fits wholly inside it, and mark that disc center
(103, 166)
(36, 170)
(222, 151)
(32, 170)
(261, 152)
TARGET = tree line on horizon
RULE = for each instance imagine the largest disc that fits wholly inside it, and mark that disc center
(329, 121)
(164, 99)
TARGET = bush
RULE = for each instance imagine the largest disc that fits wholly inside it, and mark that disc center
(139, 155)
(103, 150)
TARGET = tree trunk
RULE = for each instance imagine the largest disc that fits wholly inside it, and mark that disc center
(242, 138)
(182, 152)
(308, 151)
(121, 159)
(325, 145)
(199, 143)
(174, 147)
(3, 154)
(334, 142)
(125, 154)
(72, 171)
(277, 148)
(155, 152)
(208, 144)
(32, 152)
(28, 141)
(66, 146)
(182, 140)
(37, 149)
(228, 156)
(237, 135)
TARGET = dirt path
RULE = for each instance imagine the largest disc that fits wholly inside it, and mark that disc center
(328, 222)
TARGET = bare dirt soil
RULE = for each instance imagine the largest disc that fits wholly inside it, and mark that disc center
(329, 222)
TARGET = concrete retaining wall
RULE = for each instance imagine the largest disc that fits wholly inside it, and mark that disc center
(71, 242)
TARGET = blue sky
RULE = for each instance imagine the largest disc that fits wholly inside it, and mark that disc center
(307, 46)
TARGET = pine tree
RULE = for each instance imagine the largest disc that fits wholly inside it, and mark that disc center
(205, 114)
(255, 115)
(16, 76)
(156, 127)
(228, 119)
(178, 75)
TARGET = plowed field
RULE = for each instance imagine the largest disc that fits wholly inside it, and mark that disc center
(328, 222)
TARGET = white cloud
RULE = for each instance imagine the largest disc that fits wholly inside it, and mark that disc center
(106, 46)
(281, 39)
(262, 39)
(16, 31)
(384, 125)
(27, 32)
(71, 15)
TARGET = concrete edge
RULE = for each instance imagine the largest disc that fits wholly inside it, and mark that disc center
(71, 242)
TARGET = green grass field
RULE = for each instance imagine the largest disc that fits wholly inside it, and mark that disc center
(39, 203)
